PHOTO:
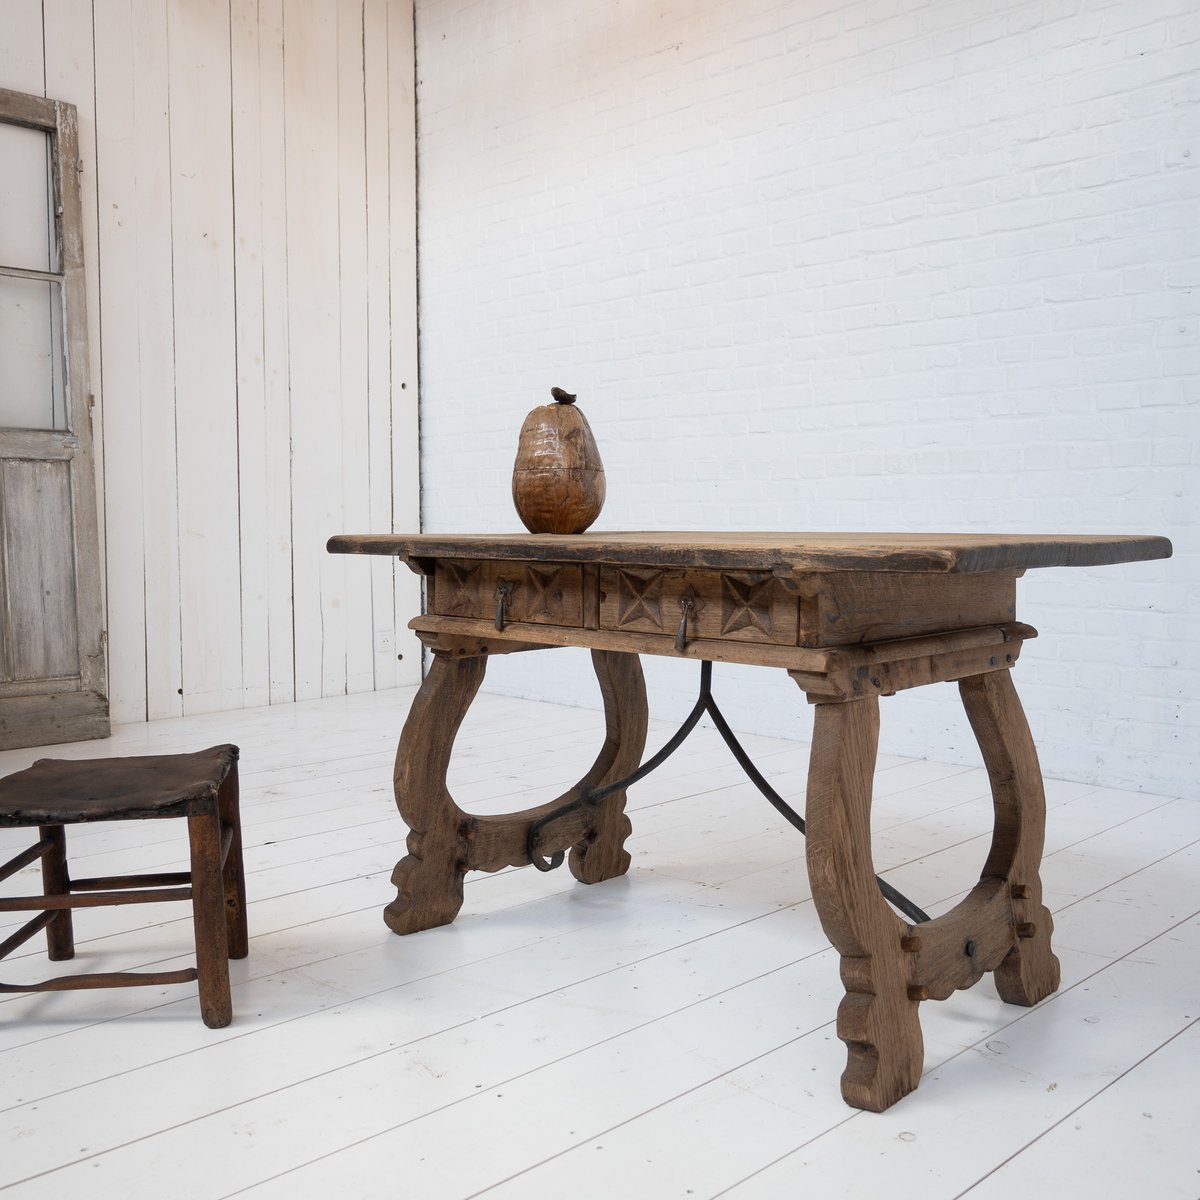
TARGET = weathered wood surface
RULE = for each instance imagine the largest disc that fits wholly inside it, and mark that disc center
(888, 967)
(837, 672)
(201, 787)
(1030, 971)
(50, 717)
(233, 871)
(208, 918)
(51, 445)
(32, 112)
(943, 552)
(876, 1019)
(41, 632)
(429, 879)
(50, 552)
(545, 595)
(84, 531)
(444, 842)
(360, 426)
(49, 575)
(709, 604)
(851, 619)
(70, 791)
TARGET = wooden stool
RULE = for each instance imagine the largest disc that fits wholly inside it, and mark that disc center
(203, 787)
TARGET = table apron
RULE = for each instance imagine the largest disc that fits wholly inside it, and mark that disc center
(825, 675)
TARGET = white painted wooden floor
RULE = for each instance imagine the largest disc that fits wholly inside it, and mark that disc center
(667, 1034)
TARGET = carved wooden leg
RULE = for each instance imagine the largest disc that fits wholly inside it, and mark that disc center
(1030, 971)
(876, 1019)
(444, 842)
(429, 880)
(601, 854)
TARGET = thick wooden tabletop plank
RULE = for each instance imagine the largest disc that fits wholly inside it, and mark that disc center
(925, 552)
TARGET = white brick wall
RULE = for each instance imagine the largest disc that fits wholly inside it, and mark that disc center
(885, 264)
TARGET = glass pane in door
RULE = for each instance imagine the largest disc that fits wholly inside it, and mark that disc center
(32, 385)
(26, 199)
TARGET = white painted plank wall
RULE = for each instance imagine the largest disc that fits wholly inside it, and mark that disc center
(407, 460)
(249, 196)
(202, 233)
(250, 170)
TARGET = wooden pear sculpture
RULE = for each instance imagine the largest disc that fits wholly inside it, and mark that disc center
(558, 478)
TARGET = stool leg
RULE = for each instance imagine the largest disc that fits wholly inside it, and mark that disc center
(208, 916)
(234, 876)
(56, 881)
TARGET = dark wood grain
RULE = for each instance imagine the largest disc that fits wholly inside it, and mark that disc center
(200, 787)
(55, 791)
(788, 552)
(444, 842)
(208, 919)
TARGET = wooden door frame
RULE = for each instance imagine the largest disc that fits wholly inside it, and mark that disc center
(49, 716)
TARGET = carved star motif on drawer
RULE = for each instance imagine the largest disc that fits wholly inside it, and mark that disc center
(455, 587)
(746, 604)
(639, 598)
(545, 599)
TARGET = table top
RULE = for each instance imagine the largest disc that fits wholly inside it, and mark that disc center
(935, 553)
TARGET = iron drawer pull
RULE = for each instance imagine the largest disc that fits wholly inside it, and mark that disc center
(503, 594)
(686, 606)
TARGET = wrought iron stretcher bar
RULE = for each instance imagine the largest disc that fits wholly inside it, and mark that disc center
(705, 703)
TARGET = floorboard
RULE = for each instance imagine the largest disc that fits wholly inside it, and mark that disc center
(666, 1034)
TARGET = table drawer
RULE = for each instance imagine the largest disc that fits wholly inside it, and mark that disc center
(540, 594)
(747, 606)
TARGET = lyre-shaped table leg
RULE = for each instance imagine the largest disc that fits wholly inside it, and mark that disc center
(429, 879)
(888, 967)
(601, 853)
(1030, 971)
(876, 1018)
(445, 842)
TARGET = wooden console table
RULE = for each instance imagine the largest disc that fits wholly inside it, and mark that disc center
(850, 618)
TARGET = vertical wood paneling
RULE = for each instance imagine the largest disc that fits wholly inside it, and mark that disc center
(251, 383)
(205, 369)
(359, 666)
(378, 316)
(155, 284)
(119, 375)
(402, 133)
(134, 263)
(22, 58)
(250, 205)
(277, 551)
(310, 92)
